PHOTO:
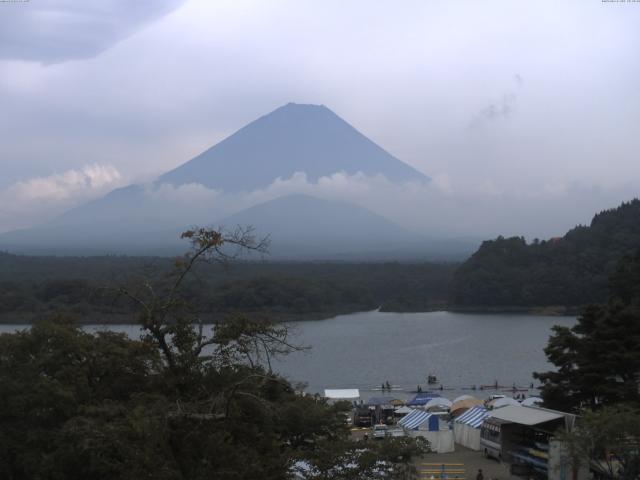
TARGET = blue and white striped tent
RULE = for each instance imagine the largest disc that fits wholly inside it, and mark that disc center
(419, 418)
(473, 417)
(466, 428)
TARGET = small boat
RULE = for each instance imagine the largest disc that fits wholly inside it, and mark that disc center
(390, 388)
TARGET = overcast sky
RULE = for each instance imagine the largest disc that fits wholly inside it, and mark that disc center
(533, 100)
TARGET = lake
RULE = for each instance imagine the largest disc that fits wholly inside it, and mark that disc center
(362, 350)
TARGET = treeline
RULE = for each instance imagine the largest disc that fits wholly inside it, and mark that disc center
(570, 271)
(88, 287)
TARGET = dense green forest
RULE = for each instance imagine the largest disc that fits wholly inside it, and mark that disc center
(562, 274)
(32, 287)
(570, 271)
(177, 403)
(595, 375)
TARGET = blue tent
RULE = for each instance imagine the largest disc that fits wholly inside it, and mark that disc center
(419, 418)
(422, 398)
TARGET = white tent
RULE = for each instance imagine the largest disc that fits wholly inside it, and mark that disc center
(427, 425)
(462, 397)
(437, 402)
(531, 401)
(342, 394)
(466, 428)
(503, 402)
(403, 410)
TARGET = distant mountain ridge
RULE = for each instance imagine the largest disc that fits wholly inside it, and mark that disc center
(569, 271)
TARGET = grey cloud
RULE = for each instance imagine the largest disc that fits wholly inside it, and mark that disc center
(51, 31)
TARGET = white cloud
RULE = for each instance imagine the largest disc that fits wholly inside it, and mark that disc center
(441, 208)
(41, 198)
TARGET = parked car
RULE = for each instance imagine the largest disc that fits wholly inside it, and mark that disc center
(380, 431)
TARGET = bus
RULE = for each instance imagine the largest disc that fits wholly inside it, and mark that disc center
(491, 438)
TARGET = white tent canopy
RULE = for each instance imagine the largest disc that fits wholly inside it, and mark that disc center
(404, 409)
(531, 401)
(342, 394)
(417, 420)
(466, 428)
(438, 402)
(503, 402)
(427, 425)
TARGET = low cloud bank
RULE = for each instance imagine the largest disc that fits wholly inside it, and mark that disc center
(440, 208)
(40, 199)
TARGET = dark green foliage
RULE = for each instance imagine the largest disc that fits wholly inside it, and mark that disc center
(571, 271)
(289, 295)
(610, 439)
(180, 403)
(42, 285)
(598, 360)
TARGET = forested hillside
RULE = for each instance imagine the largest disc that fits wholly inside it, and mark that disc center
(570, 271)
(32, 287)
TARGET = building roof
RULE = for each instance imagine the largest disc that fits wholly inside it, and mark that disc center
(342, 394)
(525, 415)
(473, 417)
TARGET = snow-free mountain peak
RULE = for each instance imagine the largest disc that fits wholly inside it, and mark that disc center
(293, 138)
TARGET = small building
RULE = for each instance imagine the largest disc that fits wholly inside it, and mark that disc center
(466, 428)
(424, 424)
(336, 394)
(524, 438)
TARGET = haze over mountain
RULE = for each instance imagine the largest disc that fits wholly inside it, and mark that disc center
(301, 226)
(306, 140)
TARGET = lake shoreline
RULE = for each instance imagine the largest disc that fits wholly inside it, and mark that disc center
(129, 319)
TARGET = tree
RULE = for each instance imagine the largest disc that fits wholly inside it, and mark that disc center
(598, 360)
(610, 439)
(182, 402)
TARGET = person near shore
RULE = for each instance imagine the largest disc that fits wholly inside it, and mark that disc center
(479, 476)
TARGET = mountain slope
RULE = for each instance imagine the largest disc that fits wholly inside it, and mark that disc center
(294, 138)
(569, 271)
(305, 226)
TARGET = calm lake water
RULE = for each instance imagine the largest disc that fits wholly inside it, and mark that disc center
(363, 350)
